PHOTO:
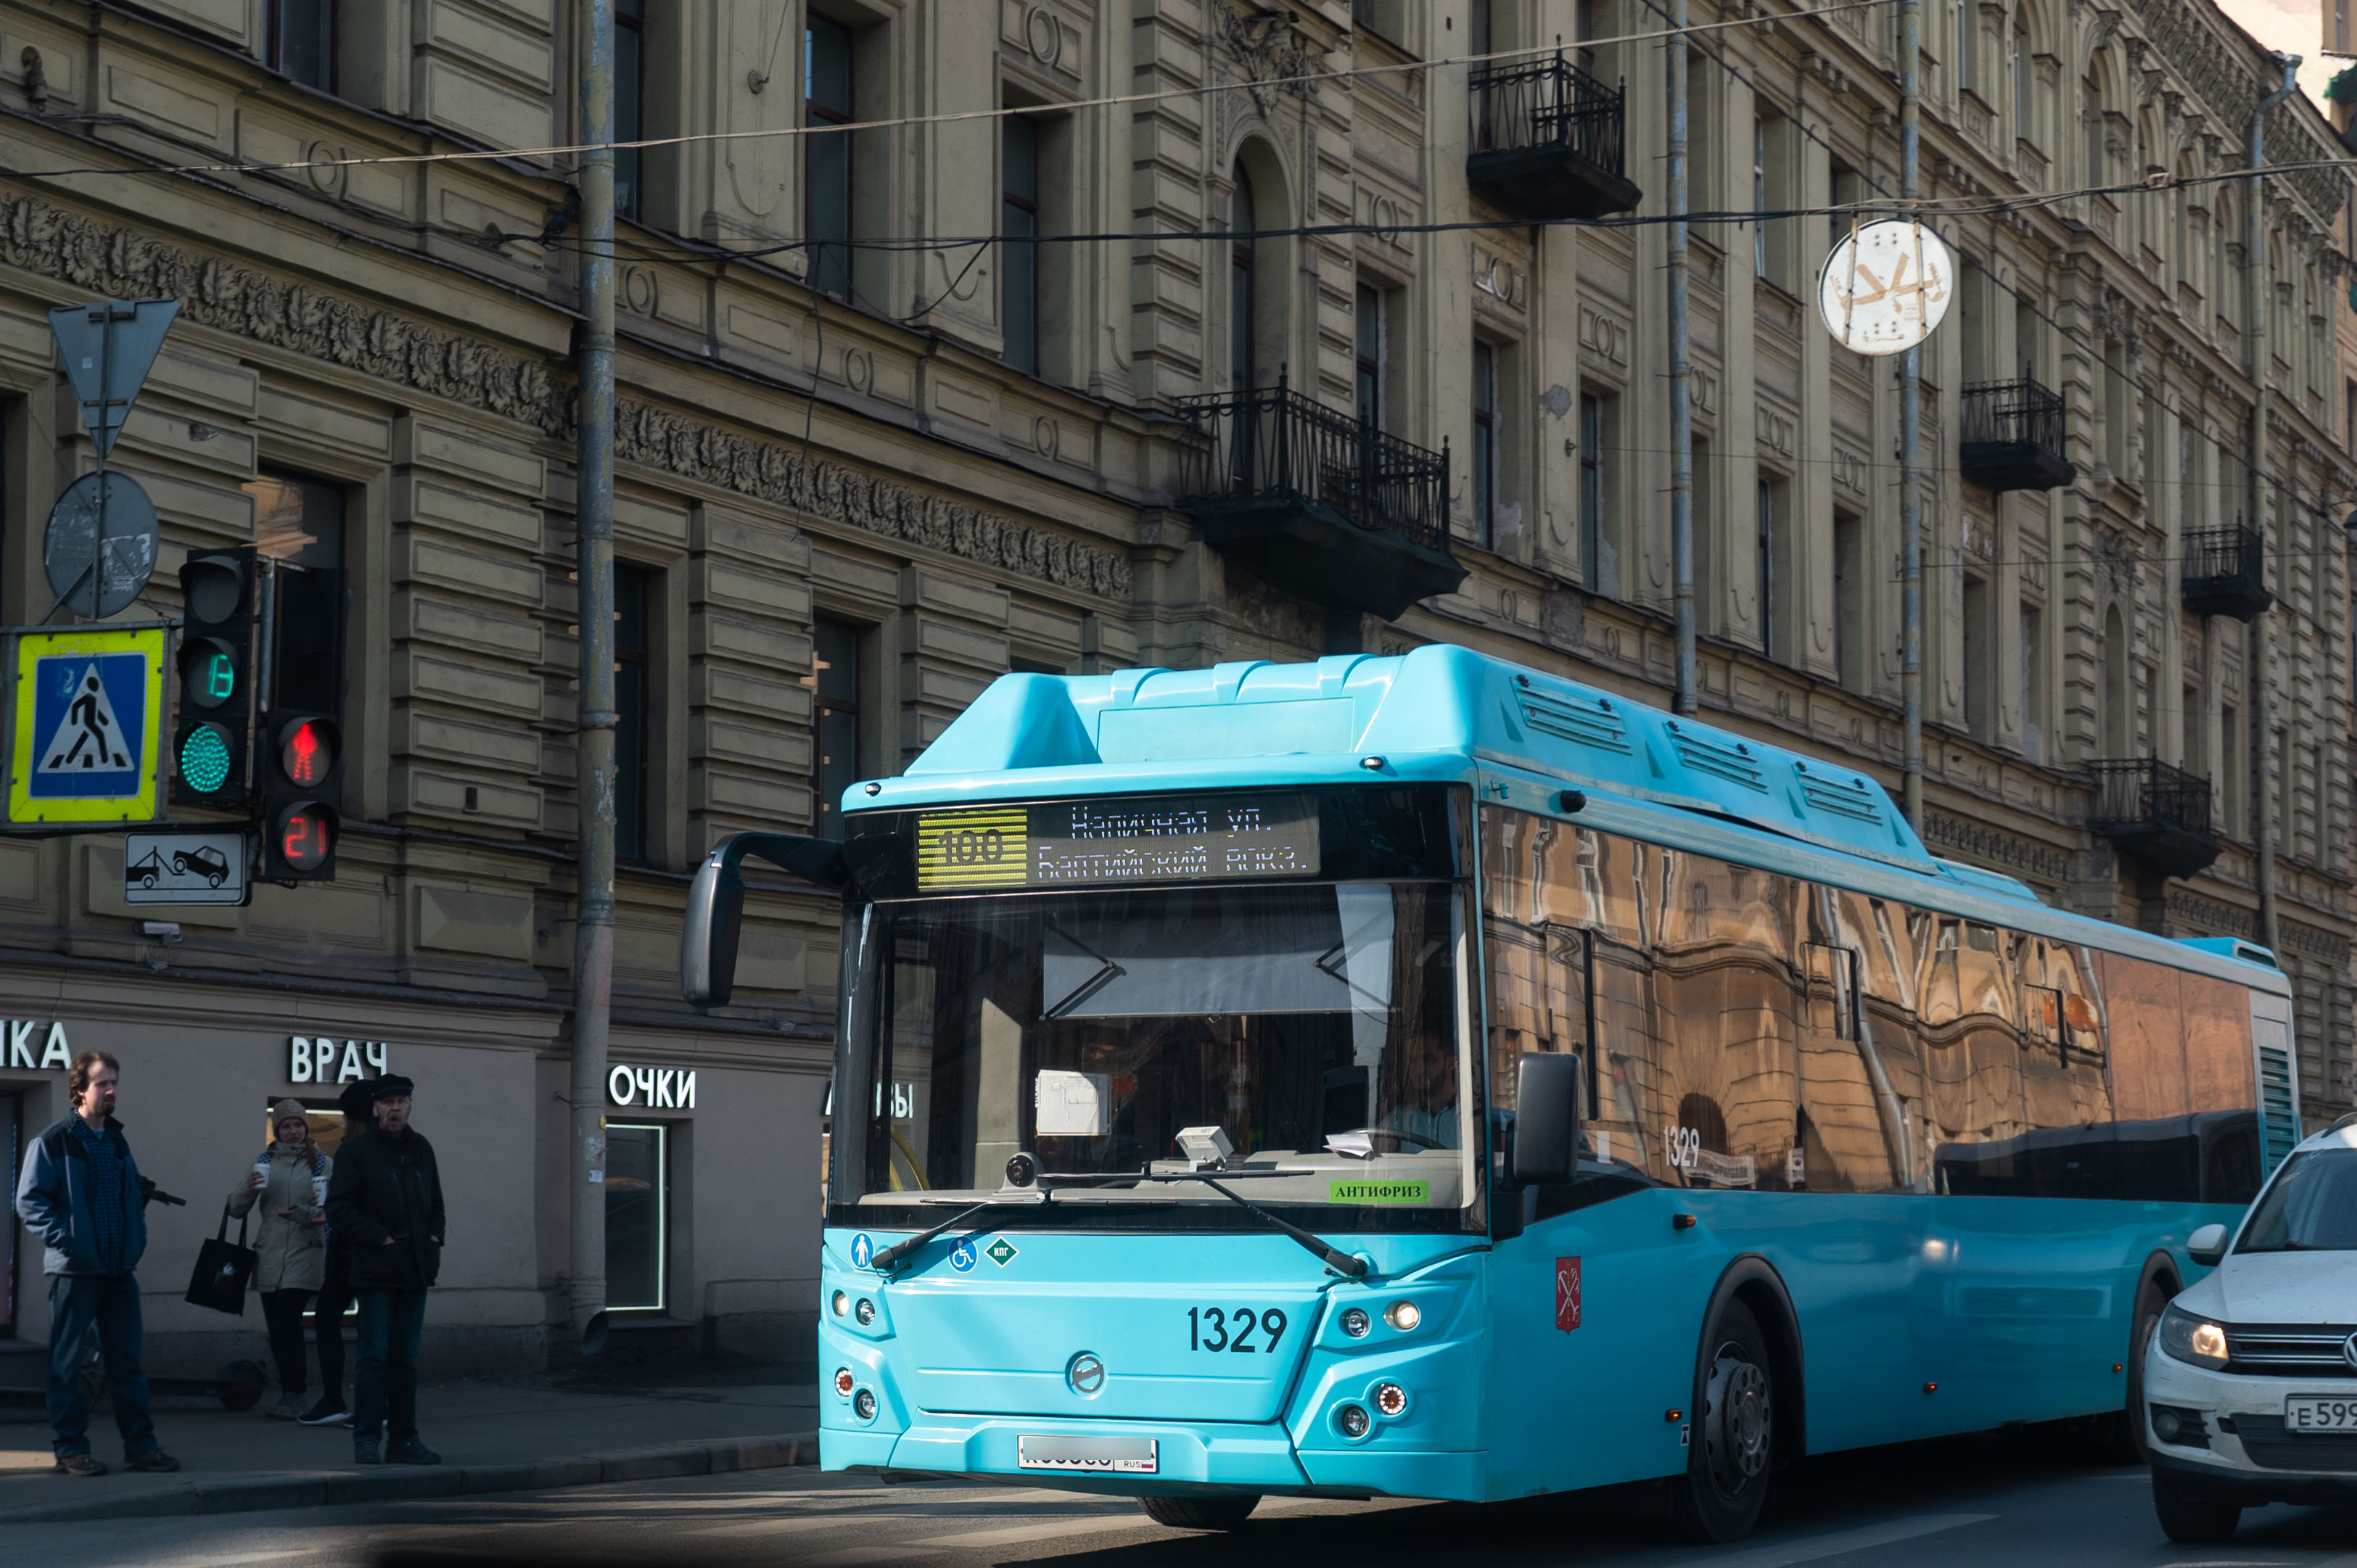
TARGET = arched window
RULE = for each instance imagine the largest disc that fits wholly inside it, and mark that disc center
(1243, 322)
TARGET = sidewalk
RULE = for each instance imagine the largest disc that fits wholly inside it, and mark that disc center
(690, 1420)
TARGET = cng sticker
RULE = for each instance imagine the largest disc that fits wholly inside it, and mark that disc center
(1001, 1251)
(89, 719)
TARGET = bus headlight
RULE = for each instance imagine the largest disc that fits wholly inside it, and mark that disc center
(865, 1311)
(1402, 1315)
(843, 1381)
(863, 1404)
(1355, 1323)
(1351, 1422)
(842, 1303)
(2193, 1339)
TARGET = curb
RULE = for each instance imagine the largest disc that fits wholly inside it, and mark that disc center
(312, 1488)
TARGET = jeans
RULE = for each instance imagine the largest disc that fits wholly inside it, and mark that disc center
(282, 1313)
(393, 1322)
(106, 1305)
(327, 1324)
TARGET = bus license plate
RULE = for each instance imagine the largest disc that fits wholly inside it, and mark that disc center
(1089, 1455)
(2313, 1414)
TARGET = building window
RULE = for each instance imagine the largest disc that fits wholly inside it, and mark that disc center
(300, 40)
(1706, 563)
(2033, 682)
(630, 101)
(2348, 414)
(1967, 47)
(826, 167)
(1018, 259)
(2233, 768)
(1593, 424)
(1980, 655)
(299, 522)
(2020, 49)
(638, 1216)
(1770, 542)
(630, 711)
(834, 721)
(2119, 729)
(1485, 443)
(1243, 301)
(1849, 600)
(1370, 345)
(1759, 195)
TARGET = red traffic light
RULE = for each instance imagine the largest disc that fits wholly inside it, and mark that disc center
(306, 751)
(305, 836)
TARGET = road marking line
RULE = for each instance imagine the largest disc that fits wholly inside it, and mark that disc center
(1096, 1524)
(799, 1522)
(1815, 1547)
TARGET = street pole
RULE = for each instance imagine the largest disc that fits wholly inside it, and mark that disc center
(1682, 554)
(2256, 289)
(593, 946)
(1911, 426)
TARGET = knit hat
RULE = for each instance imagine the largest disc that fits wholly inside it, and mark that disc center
(289, 1109)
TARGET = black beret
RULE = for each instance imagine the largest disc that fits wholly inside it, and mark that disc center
(391, 1084)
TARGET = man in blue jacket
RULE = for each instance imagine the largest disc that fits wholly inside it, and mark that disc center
(79, 1194)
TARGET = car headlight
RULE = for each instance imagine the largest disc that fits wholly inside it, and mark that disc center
(2194, 1340)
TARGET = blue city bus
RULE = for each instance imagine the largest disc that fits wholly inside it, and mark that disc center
(1423, 1076)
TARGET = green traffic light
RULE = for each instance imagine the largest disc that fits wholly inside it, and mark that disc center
(204, 758)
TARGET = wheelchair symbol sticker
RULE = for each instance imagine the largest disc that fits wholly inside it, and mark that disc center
(962, 1255)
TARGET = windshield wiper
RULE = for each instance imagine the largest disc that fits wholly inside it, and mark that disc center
(1105, 975)
(1341, 1263)
(886, 1261)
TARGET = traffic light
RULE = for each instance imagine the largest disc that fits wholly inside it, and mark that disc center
(303, 761)
(216, 669)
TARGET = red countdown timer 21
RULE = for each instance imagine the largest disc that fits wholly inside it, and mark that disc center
(305, 836)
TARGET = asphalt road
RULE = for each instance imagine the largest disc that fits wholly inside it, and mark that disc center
(1994, 1501)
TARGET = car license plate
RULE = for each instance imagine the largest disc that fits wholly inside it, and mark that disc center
(1089, 1455)
(2316, 1414)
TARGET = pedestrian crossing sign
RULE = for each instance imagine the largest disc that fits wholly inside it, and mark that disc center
(87, 724)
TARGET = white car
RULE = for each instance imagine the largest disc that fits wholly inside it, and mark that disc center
(2250, 1383)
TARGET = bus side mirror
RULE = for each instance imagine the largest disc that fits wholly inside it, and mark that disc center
(715, 905)
(1546, 1117)
(2206, 1246)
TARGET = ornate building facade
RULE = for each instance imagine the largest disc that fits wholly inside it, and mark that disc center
(871, 456)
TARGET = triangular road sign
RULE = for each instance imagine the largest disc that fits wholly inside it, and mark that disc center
(89, 738)
(109, 346)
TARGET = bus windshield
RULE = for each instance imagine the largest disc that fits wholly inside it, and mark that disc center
(1315, 1025)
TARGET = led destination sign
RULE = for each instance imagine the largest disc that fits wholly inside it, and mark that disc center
(1093, 842)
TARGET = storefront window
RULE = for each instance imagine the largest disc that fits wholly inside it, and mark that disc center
(638, 1213)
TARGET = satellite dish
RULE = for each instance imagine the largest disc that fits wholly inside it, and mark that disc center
(1885, 287)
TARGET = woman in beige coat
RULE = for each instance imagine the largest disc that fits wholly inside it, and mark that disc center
(290, 1183)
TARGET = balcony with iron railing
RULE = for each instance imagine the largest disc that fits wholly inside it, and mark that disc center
(2013, 438)
(2226, 572)
(2158, 813)
(1549, 140)
(1316, 502)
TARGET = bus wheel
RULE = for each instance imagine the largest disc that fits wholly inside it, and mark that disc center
(1201, 1513)
(2132, 1447)
(1726, 1484)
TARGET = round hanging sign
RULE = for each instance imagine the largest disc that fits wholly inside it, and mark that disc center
(1885, 287)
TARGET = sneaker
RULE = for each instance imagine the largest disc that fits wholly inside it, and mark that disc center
(288, 1408)
(152, 1459)
(80, 1465)
(364, 1452)
(330, 1409)
(410, 1451)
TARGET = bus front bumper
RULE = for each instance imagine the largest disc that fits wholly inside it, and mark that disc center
(1188, 1458)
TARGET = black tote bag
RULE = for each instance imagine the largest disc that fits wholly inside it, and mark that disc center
(225, 1268)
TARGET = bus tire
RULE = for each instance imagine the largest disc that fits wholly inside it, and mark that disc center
(2131, 1446)
(1201, 1513)
(1732, 1449)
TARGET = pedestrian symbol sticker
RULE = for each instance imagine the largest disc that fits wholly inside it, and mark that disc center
(862, 1249)
(1001, 1251)
(88, 737)
(962, 1256)
(89, 717)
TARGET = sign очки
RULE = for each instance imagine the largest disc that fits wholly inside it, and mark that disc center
(662, 1088)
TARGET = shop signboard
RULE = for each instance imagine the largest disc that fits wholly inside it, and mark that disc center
(649, 1088)
(320, 1059)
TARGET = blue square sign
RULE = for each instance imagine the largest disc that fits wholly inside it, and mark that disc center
(87, 719)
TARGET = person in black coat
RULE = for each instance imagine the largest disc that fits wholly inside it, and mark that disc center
(358, 1103)
(384, 1202)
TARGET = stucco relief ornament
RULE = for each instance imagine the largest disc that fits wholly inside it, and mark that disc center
(1270, 51)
